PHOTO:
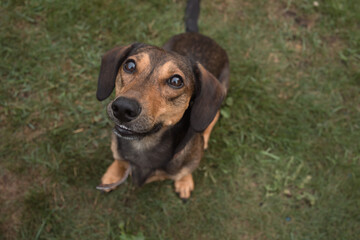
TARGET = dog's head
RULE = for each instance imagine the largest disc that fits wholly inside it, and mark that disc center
(154, 88)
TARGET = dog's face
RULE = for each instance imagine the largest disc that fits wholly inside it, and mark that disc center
(153, 89)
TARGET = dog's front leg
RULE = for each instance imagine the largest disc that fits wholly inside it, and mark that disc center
(116, 173)
(184, 186)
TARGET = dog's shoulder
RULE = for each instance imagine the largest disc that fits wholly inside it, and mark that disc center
(189, 157)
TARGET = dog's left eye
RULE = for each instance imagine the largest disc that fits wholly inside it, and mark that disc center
(129, 66)
(175, 82)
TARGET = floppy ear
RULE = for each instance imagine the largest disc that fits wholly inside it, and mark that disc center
(208, 98)
(110, 63)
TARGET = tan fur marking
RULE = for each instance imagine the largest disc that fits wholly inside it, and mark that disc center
(184, 182)
(208, 130)
(167, 70)
(163, 111)
(170, 115)
(159, 175)
(184, 186)
(118, 84)
(114, 147)
(183, 172)
(142, 61)
(115, 172)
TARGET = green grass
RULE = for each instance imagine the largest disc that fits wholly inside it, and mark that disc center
(284, 159)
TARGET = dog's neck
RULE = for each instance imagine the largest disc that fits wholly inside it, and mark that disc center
(148, 142)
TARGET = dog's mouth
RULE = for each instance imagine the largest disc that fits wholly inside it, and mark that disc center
(126, 133)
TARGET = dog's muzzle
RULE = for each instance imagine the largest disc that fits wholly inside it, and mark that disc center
(125, 113)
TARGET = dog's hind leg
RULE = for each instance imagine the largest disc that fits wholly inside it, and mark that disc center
(208, 130)
(224, 79)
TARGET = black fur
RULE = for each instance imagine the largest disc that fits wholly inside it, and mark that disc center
(192, 15)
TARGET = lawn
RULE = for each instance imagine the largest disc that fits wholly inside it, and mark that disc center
(283, 161)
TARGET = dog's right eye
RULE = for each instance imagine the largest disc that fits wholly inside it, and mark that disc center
(129, 66)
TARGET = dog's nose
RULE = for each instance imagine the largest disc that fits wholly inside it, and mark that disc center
(126, 109)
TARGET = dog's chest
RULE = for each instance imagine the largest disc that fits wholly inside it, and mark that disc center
(145, 159)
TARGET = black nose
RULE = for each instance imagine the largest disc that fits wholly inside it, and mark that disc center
(126, 109)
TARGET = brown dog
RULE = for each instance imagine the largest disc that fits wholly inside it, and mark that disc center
(167, 102)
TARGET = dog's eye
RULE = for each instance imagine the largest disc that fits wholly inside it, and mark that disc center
(175, 82)
(129, 66)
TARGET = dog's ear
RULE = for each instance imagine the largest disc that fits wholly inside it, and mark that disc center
(209, 94)
(110, 63)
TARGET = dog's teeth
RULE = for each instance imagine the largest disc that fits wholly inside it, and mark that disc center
(122, 126)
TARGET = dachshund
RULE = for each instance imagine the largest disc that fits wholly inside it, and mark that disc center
(166, 104)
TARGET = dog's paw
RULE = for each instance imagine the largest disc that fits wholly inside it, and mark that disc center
(184, 186)
(115, 175)
(110, 184)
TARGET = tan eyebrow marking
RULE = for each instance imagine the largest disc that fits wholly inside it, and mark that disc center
(142, 61)
(169, 69)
